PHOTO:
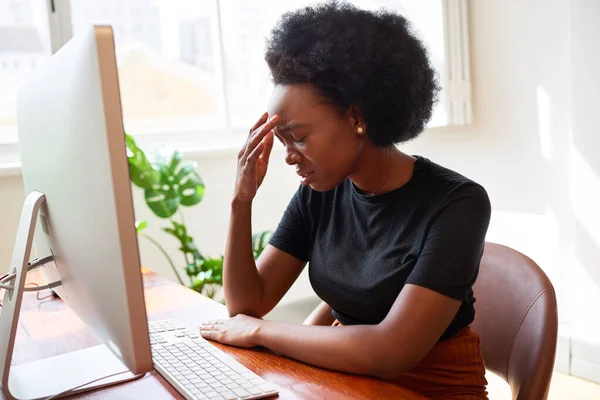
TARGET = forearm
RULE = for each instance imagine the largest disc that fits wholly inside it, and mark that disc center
(242, 285)
(355, 349)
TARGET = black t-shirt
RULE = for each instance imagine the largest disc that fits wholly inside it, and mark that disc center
(362, 249)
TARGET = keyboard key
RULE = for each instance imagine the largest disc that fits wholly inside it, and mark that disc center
(229, 395)
(241, 392)
(254, 391)
(249, 375)
(266, 388)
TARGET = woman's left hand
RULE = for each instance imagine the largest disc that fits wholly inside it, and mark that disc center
(240, 330)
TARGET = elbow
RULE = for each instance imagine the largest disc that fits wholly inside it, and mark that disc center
(389, 373)
(390, 366)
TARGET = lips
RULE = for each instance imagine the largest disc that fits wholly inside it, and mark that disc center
(306, 177)
(304, 174)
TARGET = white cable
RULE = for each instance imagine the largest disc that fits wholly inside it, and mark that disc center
(35, 263)
(32, 289)
(32, 265)
(90, 382)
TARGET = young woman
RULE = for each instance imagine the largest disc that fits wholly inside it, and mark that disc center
(394, 241)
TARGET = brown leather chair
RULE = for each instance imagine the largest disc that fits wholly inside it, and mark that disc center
(516, 318)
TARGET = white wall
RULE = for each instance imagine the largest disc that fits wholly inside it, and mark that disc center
(584, 152)
(532, 145)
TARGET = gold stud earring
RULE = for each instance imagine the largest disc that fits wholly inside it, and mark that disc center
(360, 130)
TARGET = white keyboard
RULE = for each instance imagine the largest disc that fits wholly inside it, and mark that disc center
(197, 369)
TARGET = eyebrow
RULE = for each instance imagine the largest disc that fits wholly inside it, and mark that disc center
(289, 127)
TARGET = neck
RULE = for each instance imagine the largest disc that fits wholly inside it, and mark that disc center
(380, 170)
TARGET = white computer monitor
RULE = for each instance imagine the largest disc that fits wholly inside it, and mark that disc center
(73, 153)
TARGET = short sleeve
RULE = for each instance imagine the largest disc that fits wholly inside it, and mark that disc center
(449, 260)
(293, 233)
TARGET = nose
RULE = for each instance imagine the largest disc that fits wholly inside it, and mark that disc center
(292, 156)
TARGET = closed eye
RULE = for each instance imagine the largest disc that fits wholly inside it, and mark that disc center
(299, 140)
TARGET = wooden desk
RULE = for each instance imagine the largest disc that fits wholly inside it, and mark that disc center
(48, 327)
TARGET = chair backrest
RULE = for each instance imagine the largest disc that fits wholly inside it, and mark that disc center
(516, 318)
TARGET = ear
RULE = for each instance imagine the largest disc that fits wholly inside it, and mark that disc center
(356, 119)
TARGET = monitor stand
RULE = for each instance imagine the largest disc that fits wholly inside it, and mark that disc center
(54, 375)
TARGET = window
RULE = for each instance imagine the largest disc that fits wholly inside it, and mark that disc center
(23, 46)
(169, 72)
(246, 25)
(195, 70)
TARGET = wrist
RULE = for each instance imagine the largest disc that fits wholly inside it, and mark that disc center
(256, 336)
(239, 204)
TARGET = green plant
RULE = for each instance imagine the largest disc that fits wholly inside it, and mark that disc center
(170, 183)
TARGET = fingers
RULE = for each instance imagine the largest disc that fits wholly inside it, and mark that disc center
(252, 157)
(258, 135)
(258, 123)
(211, 329)
(268, 146)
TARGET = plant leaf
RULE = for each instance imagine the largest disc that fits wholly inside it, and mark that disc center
(141, 171)
(175, 160)
(189, 184)
(140, 226)
(160, 202)
(187, 242)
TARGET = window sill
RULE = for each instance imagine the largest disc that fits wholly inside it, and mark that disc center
(208, 146)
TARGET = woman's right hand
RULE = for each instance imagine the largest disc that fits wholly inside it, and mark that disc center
(253, 158)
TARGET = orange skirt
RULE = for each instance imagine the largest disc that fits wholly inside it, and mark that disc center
(452, 370)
